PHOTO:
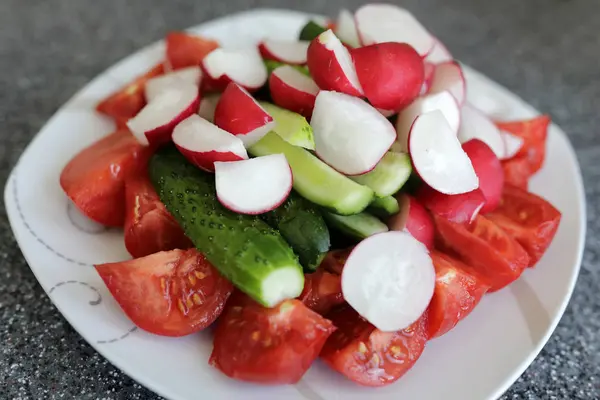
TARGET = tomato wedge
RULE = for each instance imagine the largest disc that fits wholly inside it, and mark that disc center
(517, 172)
(335, 259)
(268, 345)
(149, 227)
(534, 133)
(369, 356)
(185, 50)
(458, 289)
(483, 245)
(95, 178)
(322, 291)
(528, 218)
(171, 293)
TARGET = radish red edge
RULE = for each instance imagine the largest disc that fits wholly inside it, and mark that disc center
(414, 218)
(460, 208)
(293, 90)
(449, 76)
(285, 51)
(244, 67)
(489, 171)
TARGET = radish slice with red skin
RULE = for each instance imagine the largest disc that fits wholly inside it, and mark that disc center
(489, 170)
(389, 280)
(331, 65)
(380, 23)
(350, 135)
(439, 54)
(285, 51)
(208, 105)
(237, 112)
(476, 125)
(438, 157)
(512, 144)
(414, 219)
(293, 90)
(460, 208)
(203, 143)
(253, 186)
(345, 29)
(449, 76)
(154, 124)
(244, 67)
(429, 69)
(162, 83)
(391, 74)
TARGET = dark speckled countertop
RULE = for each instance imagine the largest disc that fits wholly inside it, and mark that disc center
(547, 51)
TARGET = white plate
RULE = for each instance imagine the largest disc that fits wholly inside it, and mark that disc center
(479, 359)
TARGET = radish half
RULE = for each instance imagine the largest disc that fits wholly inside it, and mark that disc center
(285, 51)
(350, 135)
(476, 125)
(208, 105)
(438, 157)
(203, 143)
(380, 23)
(331, 66)
(489, 170)
(293, 90)
(345, 29)
(414, 219)
(154, 124)
(253, 186)
(459, 208)
(237, 112)
(389, 280)
(443, 101)
(162, 83)
(449, 76)
(512, 144)
(439, 54)
(244, 67)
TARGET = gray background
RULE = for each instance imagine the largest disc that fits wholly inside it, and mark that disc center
(547, 51)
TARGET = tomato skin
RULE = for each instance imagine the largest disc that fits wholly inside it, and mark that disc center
(268, 345)
(528, 218)
(335, 259)
(171, 293)
(368, 356)
(483, 245)
(322, 291)
(95, 178)
(149, 227)
(185, 50)
(534, 133)
(517, 172)
(458, 289)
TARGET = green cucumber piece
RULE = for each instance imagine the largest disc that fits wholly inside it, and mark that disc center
(315, 180)
(384, 207)
(388, 176)
(359, 226)
(272, 65)
(302, 226)
(247, 251)
(291, 126)
(311, 30)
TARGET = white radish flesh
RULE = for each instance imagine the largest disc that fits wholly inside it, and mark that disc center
(162, 83)
(244, 67)
(293, 90)
(208, 105)
(512, 144)
(439, 54)
(449, 76)
(345, 29)
(285, 51)
(476, 125)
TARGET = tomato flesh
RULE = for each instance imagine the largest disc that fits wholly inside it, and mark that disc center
(369, 356)
(171, 293)
(95, 178)
(335, 259)
(517, 172)
(534, 133)
(268, 345)
(184, 50)
(322, 291)
(528, 218)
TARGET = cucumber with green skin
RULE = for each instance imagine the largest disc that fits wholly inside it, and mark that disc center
(388, 176)
(301, 224)
(246, 250)
(290, 126)
(315, 180)
(311, 30)
(384, 207)
(358, 226)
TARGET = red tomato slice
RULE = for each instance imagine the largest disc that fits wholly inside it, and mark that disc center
(128, 101)
(528, 218)
(368, 356)
(149, 227)
(517, 172)
(171, 293)
(322, 291)
(458, 289)
(534, 133)
(95, 178)
(268, 345)
(184, 50)
(335, 259)
(486, 247)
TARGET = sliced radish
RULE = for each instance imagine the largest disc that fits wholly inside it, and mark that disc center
(331, 66)
(476, 125)
(380, 23)
(437, 156)
(345, 29)
(512, 144)
(386, 113)
(350, 135)
(203, 143)
(244, 67)
(208, 105)
(428, 69)
(449, 76)
(237, 112)
(162, 83)
(414, 218)
(285, 51)
(439, 54)
(443, 101)
(253, 186)
(391, 74)
(489, 171)
(293, 90)
(389, 280)
(459, 208)
(155, 123)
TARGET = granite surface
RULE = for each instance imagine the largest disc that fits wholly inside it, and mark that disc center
(547, 51)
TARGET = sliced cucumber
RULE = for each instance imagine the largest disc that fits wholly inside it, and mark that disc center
(272, 65)
(358, 226)
(315, 180)
(384, 207)
(311, 30)
(390, 174)
(291, 126)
